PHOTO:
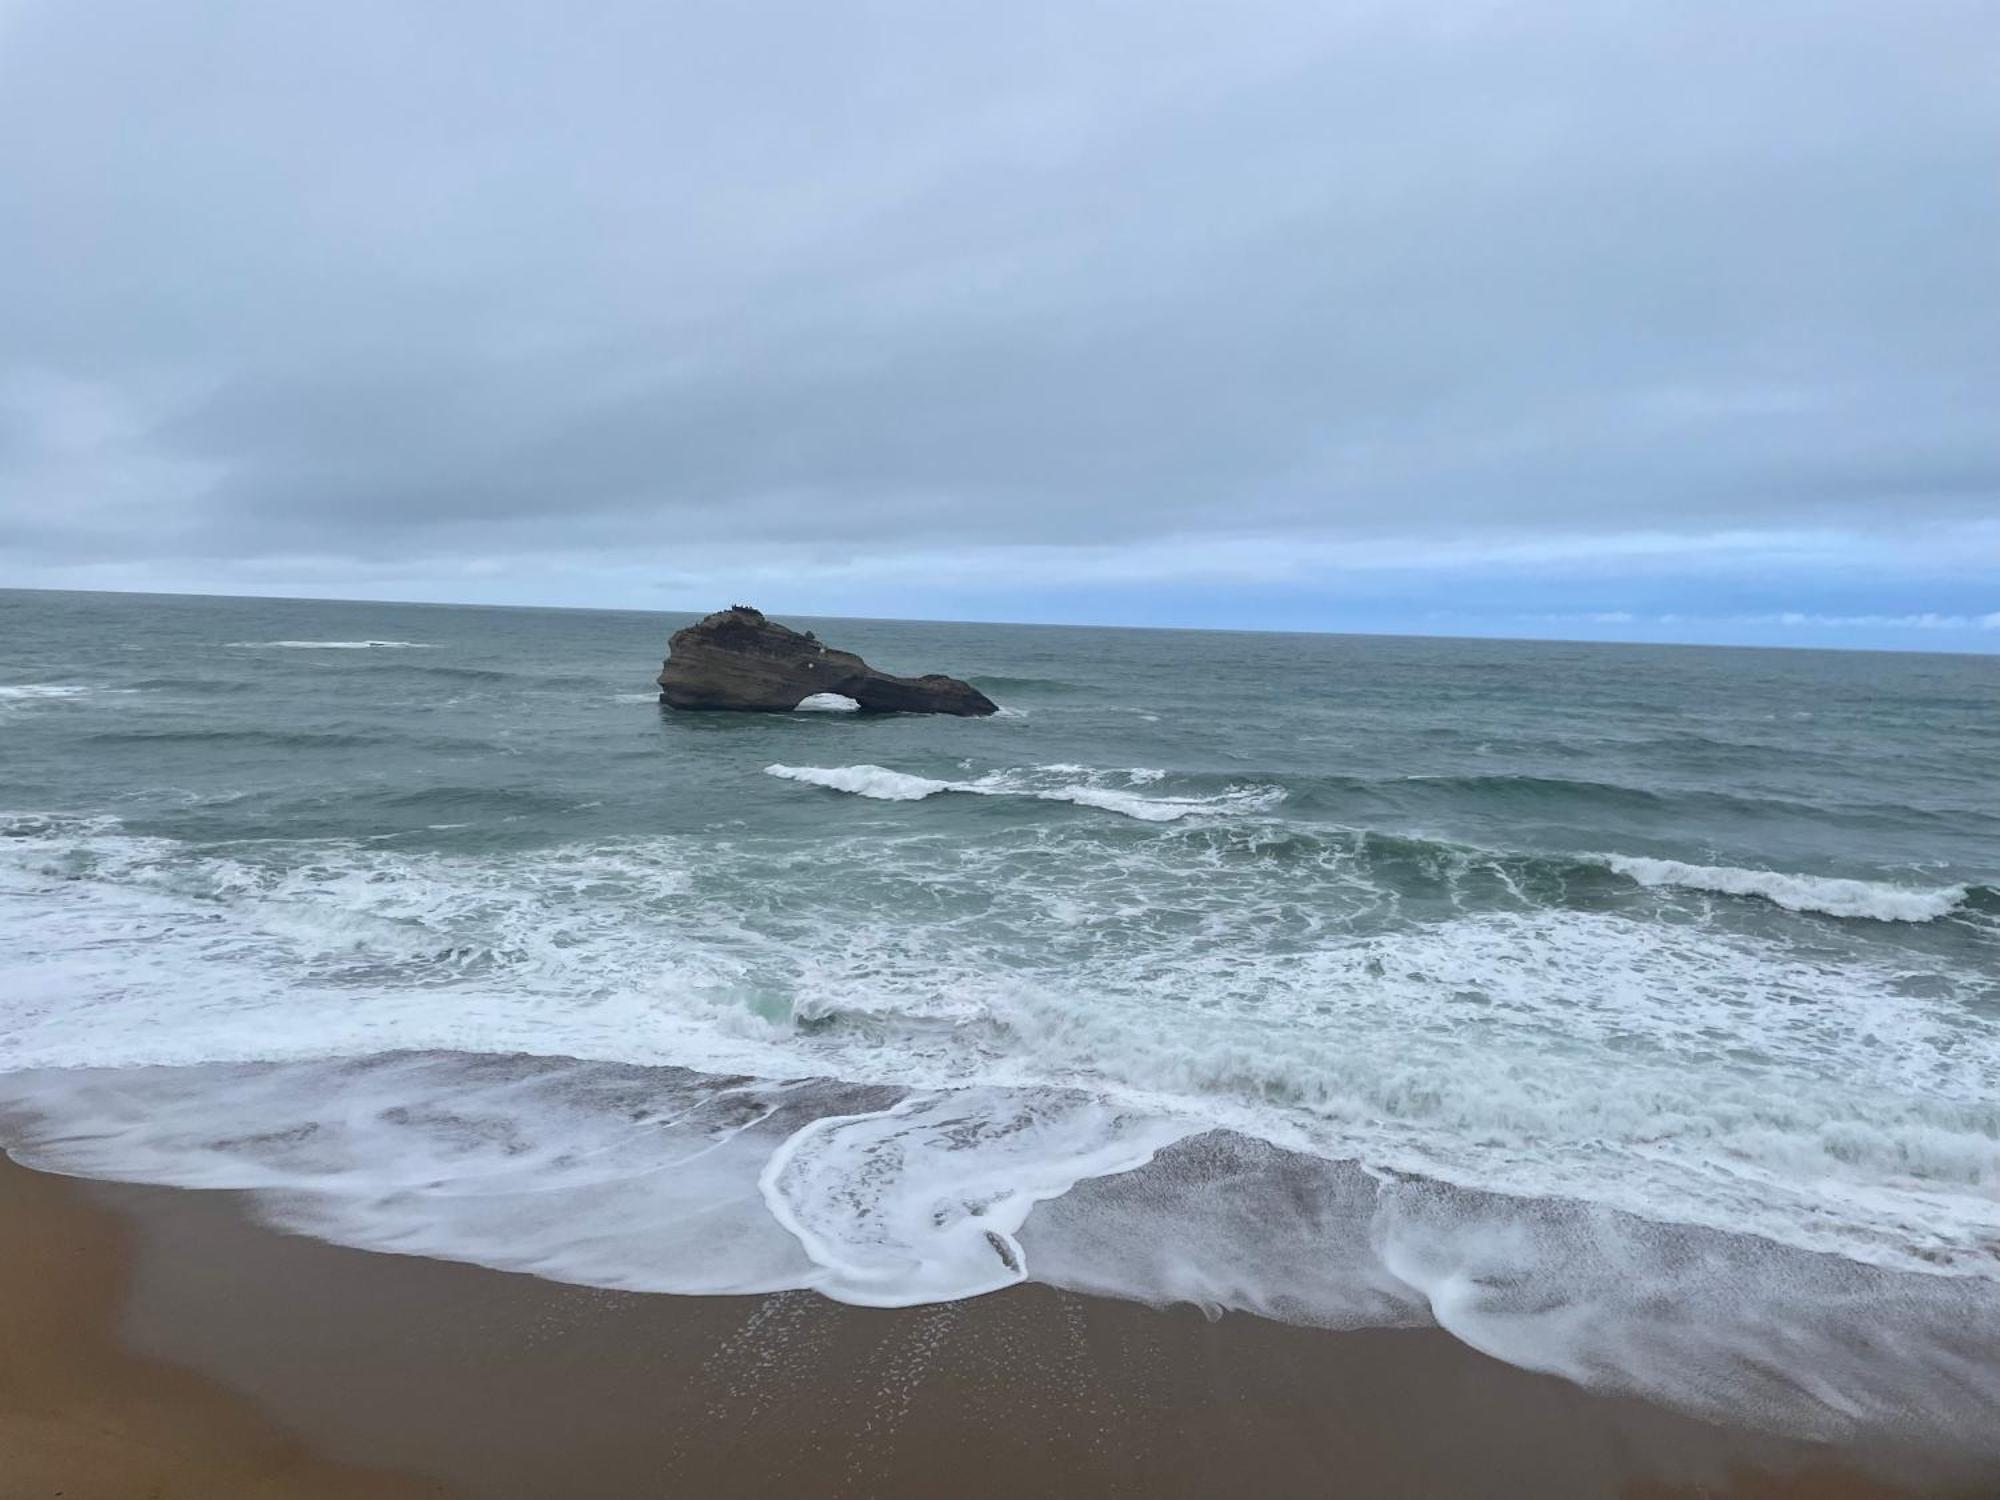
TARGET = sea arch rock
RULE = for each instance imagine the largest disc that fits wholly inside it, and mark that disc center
(737, 659)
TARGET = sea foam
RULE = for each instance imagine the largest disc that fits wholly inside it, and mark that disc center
(1553, 1052)
(1145, 1066)
(965, 1169)
(663, 1180)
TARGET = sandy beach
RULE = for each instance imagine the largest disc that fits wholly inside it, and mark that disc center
(162, 1343)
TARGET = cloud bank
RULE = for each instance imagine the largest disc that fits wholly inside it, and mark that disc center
(1277, 313)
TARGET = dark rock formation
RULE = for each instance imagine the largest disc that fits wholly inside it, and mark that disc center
(735, 658)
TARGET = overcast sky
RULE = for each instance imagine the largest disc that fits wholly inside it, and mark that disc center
(1650, 321)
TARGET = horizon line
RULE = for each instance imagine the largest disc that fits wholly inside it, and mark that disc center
(1417, 635)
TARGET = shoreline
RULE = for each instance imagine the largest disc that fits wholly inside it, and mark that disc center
(136, 1317)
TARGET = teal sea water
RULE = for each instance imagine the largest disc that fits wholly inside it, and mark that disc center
(1631, 1012)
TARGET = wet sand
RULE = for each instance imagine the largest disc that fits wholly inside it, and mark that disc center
(160, 1342)
(83, 1417)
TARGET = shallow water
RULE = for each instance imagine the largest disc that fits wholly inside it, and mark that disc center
(1632, 1012)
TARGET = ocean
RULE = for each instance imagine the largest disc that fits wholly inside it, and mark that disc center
(1630, 1012)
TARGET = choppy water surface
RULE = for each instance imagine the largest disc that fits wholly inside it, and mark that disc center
(1632, 1012)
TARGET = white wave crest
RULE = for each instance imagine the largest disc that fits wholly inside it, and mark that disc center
(332, 645)
(1041, 783)
(878, 782)
(29, 692)
(1872, 899)
(826, 703)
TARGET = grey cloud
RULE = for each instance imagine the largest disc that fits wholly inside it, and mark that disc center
(366, 281)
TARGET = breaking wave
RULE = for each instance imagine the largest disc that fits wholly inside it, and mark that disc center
(1058, 783)
(1830, 896)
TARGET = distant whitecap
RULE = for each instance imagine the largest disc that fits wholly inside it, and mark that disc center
(332, 645)
(30, 692)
